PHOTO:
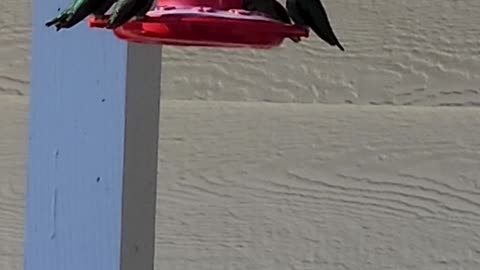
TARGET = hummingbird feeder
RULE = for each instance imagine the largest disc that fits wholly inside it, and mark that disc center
(211, 23)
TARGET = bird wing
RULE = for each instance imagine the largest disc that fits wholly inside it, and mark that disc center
(313, 14)
(270, 8)
(103, 7)
(77, 11)
(127, 9)
(281, 12)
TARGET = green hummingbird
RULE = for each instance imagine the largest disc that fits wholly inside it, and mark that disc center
(303, 13)
(123, 11)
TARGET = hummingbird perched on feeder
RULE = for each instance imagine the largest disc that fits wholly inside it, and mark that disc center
(124, 11)
(304, 13)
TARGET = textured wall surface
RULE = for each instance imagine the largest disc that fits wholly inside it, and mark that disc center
(255, 185)
(15, 30)
(265, 186)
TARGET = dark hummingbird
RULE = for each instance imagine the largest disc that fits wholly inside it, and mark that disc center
(123, 11)
(304, 13)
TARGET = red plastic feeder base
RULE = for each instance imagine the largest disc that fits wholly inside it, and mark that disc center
(204, 26)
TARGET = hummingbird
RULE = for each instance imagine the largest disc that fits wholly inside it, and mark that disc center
(303, 13)
(123, 11)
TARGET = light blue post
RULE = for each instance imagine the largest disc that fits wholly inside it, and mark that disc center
(92, 154)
